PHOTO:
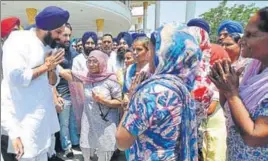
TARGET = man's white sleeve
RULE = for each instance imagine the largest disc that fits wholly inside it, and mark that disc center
(9, 123)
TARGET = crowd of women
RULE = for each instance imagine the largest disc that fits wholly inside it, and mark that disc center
(175, 95)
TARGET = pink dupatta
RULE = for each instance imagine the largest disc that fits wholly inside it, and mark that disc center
(254, 86)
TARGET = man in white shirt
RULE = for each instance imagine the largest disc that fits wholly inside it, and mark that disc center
(7, 26)
(27, 110)
(107, 47)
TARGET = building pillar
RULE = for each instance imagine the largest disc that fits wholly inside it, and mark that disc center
(139, 23)
(145, 7)
(157, 14)
(31, 13)
(127, 3)
(100, 27)
(136, 27)
(190, 10)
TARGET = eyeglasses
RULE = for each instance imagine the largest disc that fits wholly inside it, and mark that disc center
(94, 62)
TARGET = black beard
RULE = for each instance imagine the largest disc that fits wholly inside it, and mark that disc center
(87, 51)
(121, 54)
(66, 47)
(50, 41)
(80, 50)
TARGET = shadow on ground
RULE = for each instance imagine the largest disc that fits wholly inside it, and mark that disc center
(79, 157)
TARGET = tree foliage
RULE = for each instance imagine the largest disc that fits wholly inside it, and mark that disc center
(216, 15)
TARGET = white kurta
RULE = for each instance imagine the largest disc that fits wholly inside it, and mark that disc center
(111, 64)
(27, 108)
(80, 64)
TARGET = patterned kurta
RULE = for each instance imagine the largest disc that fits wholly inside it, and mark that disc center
(237, 149)
(156, 116)
(254, 94)
(161, 111)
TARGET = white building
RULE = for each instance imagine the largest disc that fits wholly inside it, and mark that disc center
(99, 16)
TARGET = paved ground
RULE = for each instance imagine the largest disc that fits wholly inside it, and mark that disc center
(79, 157)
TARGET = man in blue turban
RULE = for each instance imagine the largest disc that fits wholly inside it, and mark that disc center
(51, 19)
(124, 40)
(228, 27)
(89, 42)
(31, 68)
(199, 22)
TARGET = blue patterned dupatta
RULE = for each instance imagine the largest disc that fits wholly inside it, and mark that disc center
(177, 55)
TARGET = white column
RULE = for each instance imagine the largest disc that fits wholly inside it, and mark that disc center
(127, 3)
(157, 14)
(190, 10)
(145, 7)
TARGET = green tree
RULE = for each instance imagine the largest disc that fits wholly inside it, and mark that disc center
(216, 15)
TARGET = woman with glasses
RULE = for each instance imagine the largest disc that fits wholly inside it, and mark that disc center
(102, 98)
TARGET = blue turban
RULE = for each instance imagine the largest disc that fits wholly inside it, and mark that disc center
(88, 35)
(231, 27)
(199, 22)
(141, 35)
(134, 36)
(51, 18)
(126, 36)
(29, 27)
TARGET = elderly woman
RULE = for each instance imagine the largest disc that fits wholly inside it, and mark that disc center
(247, 102)
(228, 27)
(102, 95)
(160, 123)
